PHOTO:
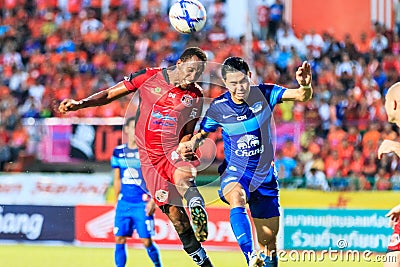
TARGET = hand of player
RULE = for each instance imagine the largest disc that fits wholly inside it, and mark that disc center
(394, 215)
(185, 150)
(68, 105)
(150, 207)
(387, 146)
(303, 74)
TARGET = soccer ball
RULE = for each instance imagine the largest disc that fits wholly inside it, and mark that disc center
(187, 16)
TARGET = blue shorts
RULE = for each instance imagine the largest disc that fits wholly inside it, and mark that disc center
(131, 216)
(263, 200)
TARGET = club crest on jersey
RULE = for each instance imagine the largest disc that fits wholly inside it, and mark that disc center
(161, 195)
(257, 107)
(187, 100)
(248, 145)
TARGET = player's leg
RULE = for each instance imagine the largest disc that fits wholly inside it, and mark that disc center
(267, 230)
(152, 251)
(122, 229)
(184, 177)
(265, 213)
(236, 197)
(120, 251)
(144, 226)
(392, 259)
(180, 220)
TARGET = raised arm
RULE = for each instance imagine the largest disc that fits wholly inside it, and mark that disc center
(304, 92)
(98, 99)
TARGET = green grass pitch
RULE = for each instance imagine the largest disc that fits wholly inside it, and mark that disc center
(71, 256)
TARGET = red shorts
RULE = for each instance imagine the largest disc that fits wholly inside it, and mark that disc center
(394, 243)
(159, 177)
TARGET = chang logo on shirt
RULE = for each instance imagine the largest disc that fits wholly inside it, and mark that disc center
(248, 145)
(131, 176)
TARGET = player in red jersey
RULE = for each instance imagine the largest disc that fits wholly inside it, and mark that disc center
(392, 107)
(170, 105)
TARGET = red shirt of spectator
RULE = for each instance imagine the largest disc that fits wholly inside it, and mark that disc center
(345, 150)
(332, 164)
(289, 149)
(357, 162)
(335, 136)
(371, 136)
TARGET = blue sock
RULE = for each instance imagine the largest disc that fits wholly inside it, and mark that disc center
(154, 254)
(271, 261)
(120, 255)
(242, 229)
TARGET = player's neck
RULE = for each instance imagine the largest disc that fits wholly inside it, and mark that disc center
(132, 145)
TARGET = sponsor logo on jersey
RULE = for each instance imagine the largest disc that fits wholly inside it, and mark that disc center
(240, 118)
(248, 145)
(131, 177)
(161, 195)
(193, 113)
(187, 100)
(156, 91)
(163, 119)
(257, 107)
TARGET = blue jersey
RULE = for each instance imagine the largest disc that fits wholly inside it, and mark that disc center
(247, 135)
(133, 185)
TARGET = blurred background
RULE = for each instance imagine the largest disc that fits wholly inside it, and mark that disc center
(55, 171)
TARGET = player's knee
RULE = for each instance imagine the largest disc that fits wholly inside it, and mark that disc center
(235, 197)
(120, 239)
(184, 176)
(147, 242)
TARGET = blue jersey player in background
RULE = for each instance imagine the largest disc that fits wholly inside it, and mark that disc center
(135, 207)
(248, 174)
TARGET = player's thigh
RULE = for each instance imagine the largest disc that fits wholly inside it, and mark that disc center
(145, 226)
(123, 224)
(392, 259)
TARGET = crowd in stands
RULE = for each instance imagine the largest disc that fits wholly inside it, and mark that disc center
(50, 53)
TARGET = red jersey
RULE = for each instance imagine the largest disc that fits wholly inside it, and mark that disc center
(164, 111)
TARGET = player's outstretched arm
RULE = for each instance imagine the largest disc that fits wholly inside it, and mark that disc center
(187, 149)
(394, 215)
(98, 99)
(304, 92)
(389, 146)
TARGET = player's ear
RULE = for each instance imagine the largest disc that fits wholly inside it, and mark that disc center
(249, 74)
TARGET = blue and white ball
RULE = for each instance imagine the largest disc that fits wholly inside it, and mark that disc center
(187, 16)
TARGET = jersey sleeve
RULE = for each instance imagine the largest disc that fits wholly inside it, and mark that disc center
(273, 93)
(135, 80)
(114, 160)
(209, 122)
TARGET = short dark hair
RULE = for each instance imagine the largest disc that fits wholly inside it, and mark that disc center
(128, 120)
(193, 51)
(234, 64)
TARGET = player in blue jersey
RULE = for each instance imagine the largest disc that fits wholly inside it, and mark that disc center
(248, 174)
(135, 206)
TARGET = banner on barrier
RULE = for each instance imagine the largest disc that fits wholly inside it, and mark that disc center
(95, 224)
(34, 223)
(312, 229)
(53, 189)
(305, 198)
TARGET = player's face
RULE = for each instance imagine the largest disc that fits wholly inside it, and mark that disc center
(190, 70)
(238, 85)
(130, 131)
